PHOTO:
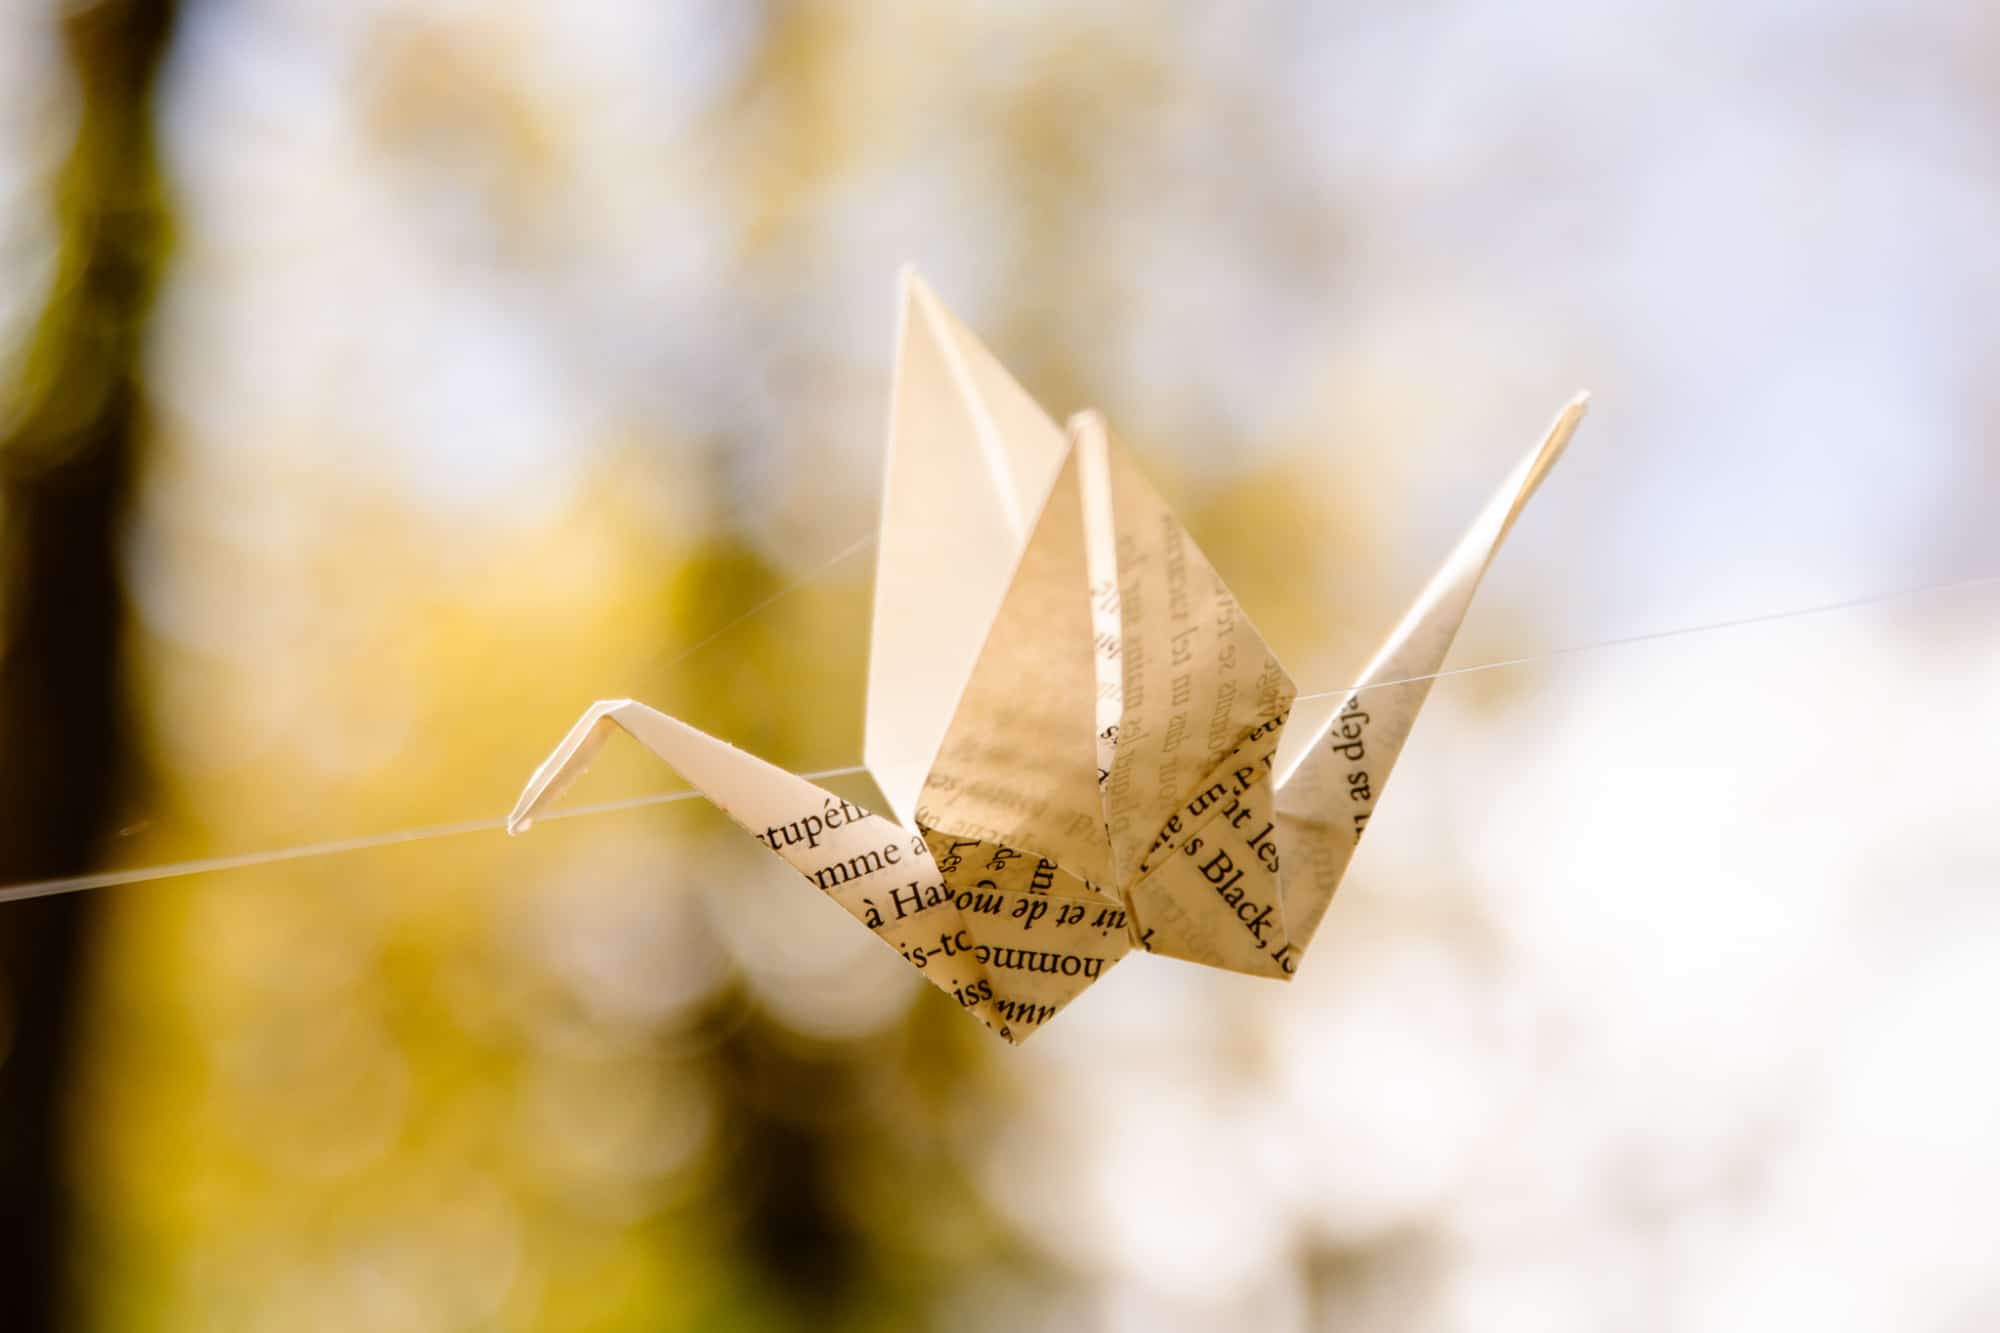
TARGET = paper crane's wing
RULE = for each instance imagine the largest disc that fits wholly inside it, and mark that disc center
(1337, 752)
(970, 458)
(996, 955)
(1018, 766)
(1201, 702)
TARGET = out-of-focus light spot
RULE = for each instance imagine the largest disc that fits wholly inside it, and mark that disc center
(1890, 1179)
(605, 1131)
(1277, 1303)
(1383, 1092)
(624, 927)
(1150, 1195)
(38, 113)
(316, 1093)
(816, 968)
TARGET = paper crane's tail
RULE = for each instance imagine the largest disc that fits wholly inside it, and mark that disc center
(1337, 751)
(569, 760)
(884, 875)
(802, 822)
(857, 858)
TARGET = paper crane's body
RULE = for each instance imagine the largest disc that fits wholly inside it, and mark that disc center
(1086, 745)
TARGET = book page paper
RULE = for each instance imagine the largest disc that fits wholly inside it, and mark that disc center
(1086, 745)
(1008, 936)
(970, 458)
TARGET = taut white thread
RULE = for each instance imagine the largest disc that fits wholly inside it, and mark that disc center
(1740, 622)
(847, 552)
(308, 851)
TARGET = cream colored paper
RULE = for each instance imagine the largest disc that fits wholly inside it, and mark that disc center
(1084, 742)
(969, 459)
(1337, 752)
(1009, 936)
(1018, 765)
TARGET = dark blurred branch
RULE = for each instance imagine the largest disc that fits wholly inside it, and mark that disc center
(66, 461)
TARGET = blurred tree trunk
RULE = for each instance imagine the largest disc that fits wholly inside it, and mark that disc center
(66, 461)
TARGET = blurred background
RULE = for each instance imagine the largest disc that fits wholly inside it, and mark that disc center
(385, 381)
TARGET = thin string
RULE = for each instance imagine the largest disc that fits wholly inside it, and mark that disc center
(780, 595)
(1741, 622)
(43, 888)
(310, 851)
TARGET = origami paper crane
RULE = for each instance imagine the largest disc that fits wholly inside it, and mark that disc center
(1084, 744)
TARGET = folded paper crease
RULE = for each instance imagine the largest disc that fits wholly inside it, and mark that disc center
(1084, 743)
